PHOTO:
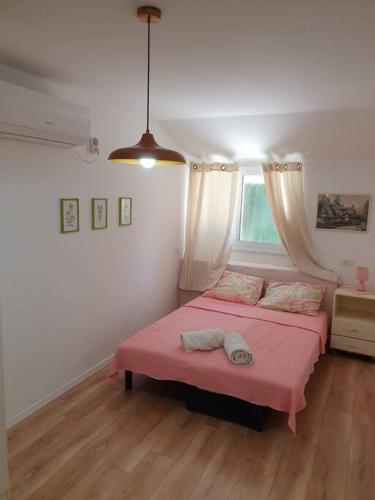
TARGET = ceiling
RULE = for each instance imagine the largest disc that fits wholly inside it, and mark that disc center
(209, 57)
(320, 136)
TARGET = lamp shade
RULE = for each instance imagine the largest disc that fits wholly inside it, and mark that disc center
(362, 273)
(146, 149)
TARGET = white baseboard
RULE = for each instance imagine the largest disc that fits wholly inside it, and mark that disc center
(57, 392)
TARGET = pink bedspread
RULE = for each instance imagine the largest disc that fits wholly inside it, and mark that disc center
(285, 348)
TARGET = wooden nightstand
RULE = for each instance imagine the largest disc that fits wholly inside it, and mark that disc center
(353, 322)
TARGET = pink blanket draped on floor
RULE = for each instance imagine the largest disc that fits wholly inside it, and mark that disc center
(285, 347)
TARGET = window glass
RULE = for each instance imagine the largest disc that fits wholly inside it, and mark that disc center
(256, 219)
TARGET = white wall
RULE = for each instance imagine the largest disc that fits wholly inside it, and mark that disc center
(335, 246)
(336, 148)
(68, 300)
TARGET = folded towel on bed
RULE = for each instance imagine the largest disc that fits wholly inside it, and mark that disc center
(236, 348)
(203, 340)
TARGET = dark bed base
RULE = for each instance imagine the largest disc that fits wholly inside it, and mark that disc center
(128, 380)
(227, 408)
(219, 406)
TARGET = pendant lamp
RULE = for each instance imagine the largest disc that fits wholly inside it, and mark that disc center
(147, 151)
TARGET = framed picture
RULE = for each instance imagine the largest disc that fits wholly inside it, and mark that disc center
(125, 211)
(99, 213)
(343, 212)
(69, 215)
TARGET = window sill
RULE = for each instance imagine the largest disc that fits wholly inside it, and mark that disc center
(256, 265)
(258, 250)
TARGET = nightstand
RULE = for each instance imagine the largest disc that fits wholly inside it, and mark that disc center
(353, 321)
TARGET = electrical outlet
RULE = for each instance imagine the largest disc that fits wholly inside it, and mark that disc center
(347, 263)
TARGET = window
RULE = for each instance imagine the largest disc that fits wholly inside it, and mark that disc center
(256, 220)
(254, 228)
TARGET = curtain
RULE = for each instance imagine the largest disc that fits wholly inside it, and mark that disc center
(284, 185)
(210, 209)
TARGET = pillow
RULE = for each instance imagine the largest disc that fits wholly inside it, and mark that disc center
(296, 297)
(237, 287)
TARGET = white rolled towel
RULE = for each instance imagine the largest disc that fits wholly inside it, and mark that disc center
(203, 340)
(236, 348)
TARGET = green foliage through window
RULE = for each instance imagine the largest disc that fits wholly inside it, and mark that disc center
(256, 218)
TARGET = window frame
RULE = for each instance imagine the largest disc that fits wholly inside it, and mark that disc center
(250, 246)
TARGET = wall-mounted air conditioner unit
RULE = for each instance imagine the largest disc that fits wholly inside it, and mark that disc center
(29, 115)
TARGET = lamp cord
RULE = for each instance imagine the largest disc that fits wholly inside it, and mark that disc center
(148, 71)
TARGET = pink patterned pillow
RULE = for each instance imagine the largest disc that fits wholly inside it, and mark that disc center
(296, 297)
(237, 287)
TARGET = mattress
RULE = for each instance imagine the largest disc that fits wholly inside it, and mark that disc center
(285, 346)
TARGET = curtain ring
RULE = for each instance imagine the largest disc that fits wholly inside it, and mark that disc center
(195, 166)
(211, 167)
(223, 167)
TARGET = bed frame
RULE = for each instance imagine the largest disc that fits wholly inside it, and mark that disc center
(219, 405)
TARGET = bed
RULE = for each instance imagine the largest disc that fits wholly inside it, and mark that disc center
(285, 346)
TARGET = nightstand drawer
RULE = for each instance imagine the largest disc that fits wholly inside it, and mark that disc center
(358, 329)
(353, 345)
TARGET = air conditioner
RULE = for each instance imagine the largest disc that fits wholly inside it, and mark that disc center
(29, 115)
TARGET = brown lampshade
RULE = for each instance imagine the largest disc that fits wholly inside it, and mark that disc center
(146, 149)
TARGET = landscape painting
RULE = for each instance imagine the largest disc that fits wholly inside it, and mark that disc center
(343, 212)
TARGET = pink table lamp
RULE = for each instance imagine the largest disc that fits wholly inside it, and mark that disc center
(361, 276)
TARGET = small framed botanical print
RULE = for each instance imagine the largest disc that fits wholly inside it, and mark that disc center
(69, 215)
(99, 213)
(125, 211)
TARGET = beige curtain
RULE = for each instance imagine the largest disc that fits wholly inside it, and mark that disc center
(210, 209)
(284, 185)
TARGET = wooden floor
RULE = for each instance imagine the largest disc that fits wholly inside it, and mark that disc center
(95, 442)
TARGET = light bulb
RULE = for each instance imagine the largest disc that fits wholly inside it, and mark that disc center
(147, 162)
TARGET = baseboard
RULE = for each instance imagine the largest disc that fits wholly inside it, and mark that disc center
(56, 393)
